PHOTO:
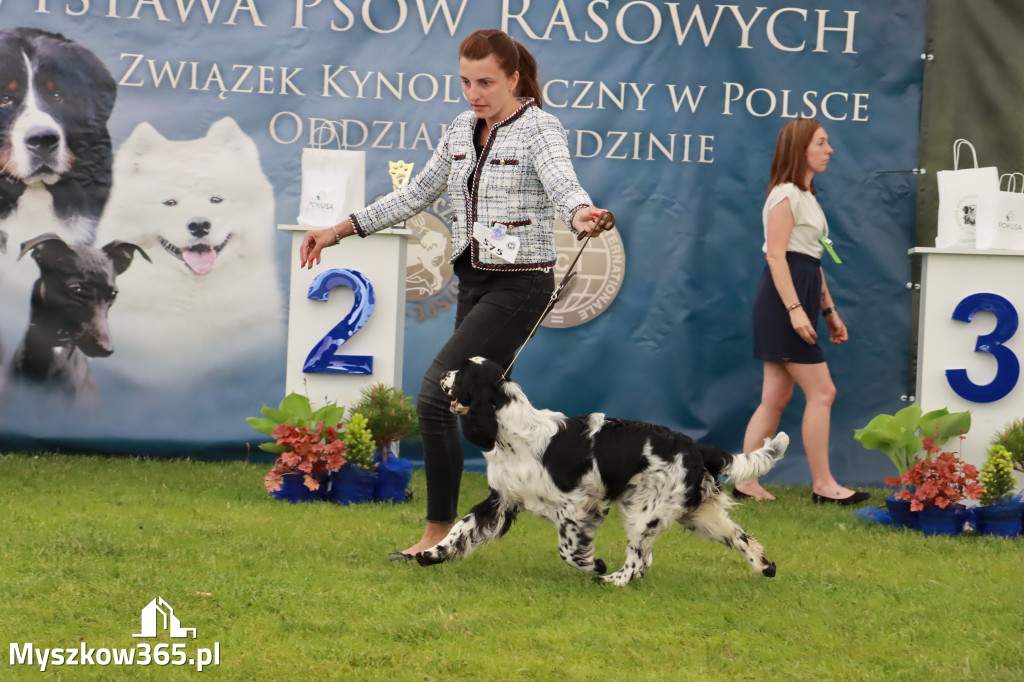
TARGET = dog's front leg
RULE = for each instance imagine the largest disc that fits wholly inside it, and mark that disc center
(487, 521)
(576, 530)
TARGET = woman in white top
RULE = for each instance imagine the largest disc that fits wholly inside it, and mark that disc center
(790, 295)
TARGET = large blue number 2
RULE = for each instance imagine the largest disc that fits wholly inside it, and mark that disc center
(1008, 367)
(322, 358)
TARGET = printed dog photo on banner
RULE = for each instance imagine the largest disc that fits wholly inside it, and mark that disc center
(69, 319)
(56, 97)
(210, 302)
(80, 332)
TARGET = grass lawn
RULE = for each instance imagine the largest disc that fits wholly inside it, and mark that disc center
(303, 592)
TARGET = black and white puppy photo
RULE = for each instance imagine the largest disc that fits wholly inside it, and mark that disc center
(571, 470)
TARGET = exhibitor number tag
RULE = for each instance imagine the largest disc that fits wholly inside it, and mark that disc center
(496, 240)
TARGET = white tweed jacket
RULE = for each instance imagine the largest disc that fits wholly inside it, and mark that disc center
(523, 177)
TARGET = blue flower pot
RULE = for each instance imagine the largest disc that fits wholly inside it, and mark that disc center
(949, 521)
(900, 514)
(293, 489)
(351, 485)
(1004, 519)
(393, 476)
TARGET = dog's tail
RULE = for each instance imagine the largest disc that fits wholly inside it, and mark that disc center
(748, 465)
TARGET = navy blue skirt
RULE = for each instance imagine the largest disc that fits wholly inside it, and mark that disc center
(775, 340)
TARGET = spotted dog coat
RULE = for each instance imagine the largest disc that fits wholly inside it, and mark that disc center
(570, 470)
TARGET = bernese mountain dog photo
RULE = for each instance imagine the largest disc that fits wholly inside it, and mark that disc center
(571, 470)
(55, 151)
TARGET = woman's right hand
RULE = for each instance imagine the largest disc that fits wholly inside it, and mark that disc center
(802, 325)
(313, 243)
(316, 241)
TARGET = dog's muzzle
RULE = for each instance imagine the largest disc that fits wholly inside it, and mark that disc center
(447, 383)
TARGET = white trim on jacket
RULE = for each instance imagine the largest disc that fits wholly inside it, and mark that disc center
(524, 175)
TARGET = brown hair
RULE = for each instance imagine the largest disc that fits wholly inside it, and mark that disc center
(790, 161)
(511, 56)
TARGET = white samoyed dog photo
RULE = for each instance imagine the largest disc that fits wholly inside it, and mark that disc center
(210, 303)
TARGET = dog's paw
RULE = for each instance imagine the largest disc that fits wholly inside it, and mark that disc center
(619, 578)
(599, 567)
(428, 557)
(769, 570)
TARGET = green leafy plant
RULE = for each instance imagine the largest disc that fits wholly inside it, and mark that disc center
(1012, 438)
(901, 436)
(390, 415)
(358, 442)
(997, 475)
(295, 410)
(306, 440)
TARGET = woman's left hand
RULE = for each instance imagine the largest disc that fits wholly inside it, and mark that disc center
(836, 329)
(593, 221)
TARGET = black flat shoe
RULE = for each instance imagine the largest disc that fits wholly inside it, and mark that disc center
(855, 498)
(401, 556)
(740, 495)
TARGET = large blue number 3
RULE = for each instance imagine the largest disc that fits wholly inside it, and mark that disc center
(1008, 367)
(322, 358)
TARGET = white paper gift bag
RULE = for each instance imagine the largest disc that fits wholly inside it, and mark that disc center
(324, 182)
(959, 190)
(1001, 215)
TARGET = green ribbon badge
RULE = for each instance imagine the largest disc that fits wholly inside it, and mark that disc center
(827, 243)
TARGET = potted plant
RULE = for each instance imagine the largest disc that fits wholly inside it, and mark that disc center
(901, 437)
(1012, 438)
(355, 480)
(307, 443)
(391, 417)
(1000, 513)
(935, 486)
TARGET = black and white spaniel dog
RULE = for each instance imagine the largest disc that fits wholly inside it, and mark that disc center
(570, 470)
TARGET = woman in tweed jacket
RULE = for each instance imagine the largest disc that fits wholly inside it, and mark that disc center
(506, 168)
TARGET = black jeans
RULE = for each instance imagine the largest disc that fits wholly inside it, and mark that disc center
(496, 311)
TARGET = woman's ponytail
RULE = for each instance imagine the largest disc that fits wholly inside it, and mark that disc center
(528, 85)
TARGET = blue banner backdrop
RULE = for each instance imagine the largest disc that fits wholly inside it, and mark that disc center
(671, 109)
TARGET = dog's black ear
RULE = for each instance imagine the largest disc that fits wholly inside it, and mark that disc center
(474, 389)
(480, 424)
(120, 254)
(45, 247)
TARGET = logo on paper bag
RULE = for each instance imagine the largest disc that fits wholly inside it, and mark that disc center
(318, 202)
(1010, 223)
(967, 213)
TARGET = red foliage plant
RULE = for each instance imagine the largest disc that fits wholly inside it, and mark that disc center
(939, 481)
(310, 453)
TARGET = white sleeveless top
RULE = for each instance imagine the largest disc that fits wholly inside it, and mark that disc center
(809, 223)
